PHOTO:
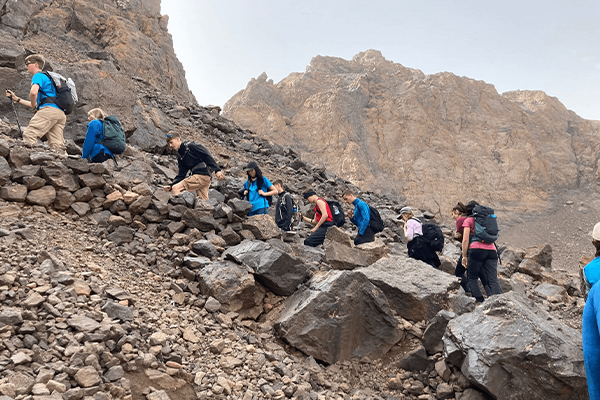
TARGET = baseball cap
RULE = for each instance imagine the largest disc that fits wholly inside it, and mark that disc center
(251, 165)
(596, 232)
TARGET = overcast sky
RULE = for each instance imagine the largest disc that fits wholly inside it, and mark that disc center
(547, 45)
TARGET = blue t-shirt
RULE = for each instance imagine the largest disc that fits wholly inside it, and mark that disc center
(592, 271)
(46, 86)
(256, 199)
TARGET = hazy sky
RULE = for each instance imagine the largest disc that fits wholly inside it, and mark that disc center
(547, 45)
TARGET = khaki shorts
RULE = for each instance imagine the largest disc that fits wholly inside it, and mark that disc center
(199, 183)
(48, 121)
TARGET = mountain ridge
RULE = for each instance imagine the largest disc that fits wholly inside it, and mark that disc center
(389, 128)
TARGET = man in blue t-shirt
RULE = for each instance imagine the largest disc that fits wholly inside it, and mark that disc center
(49, 120)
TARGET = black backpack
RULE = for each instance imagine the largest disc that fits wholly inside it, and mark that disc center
(434, 236)
(339, 219)
(265, 188)
(113, 135)
(375, 221)
(486, 225)
(65, 94)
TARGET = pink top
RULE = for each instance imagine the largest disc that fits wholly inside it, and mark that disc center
(413, 227)
(470, 223)
(459, 224)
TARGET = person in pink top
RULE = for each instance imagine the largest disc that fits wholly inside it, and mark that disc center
(459, 213)
(479, 258)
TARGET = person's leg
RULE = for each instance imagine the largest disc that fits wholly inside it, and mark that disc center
(490, 270)
(39, 125)
(178, 188)
(474, 264)
(259, 211)
(590, 332)
(100, 158)
(204, 184)
(366, 237)
(460, 273)
(317, 237)
(55, 135)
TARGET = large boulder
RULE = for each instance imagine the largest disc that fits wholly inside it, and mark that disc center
(275, 269)
(233, 286)
(515, 351)
(60, 177)
(263, 227)
(415, 290)
(339, 315)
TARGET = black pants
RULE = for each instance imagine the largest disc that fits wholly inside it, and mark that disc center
(460, 273)
(483, 264)
(366, 237)
(100, 157)
(419, 249)
(318, 237)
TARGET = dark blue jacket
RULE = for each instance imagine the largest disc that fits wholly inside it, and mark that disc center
(362, 215)
(92, 146)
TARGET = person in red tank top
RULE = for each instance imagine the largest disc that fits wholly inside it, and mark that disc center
(322, 221)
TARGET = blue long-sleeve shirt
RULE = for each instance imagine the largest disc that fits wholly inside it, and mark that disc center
(362, 215)
(591, 341)
(92, 146)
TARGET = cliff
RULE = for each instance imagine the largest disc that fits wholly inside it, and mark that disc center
(436, 138)
(119, 53)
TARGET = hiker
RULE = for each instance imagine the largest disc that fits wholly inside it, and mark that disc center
(49, 120)
(93, 150)
(284, 211)
(417, 245)
(591, 320)
(322, 221)
(459, 214)
(360, 217)
(479, 258)
(258, 189)
(195, 159)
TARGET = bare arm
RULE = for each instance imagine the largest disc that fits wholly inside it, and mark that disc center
(465, 245)
(272, 191)
(32, 97)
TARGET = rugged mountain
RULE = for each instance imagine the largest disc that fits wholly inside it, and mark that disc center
(117, 52)
(436, 138)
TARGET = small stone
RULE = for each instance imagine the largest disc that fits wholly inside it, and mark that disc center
(212, 305)
(20, 358)
(88, 377)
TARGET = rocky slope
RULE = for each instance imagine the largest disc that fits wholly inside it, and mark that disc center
(436, 138)
(115, 51)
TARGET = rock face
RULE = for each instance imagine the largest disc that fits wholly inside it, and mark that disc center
(439, 137)
(316, 320)
(110, 49)
(534, 355)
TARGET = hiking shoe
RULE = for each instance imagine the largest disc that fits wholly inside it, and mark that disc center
(59, 153)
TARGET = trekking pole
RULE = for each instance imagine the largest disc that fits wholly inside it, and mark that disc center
(12, 102)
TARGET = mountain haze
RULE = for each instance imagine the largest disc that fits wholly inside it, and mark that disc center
(435, 138)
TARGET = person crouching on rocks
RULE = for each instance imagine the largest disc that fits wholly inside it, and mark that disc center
(418, 247)
(257, 188)
(591, 320)
(361, 216)
(195, 159)
(93, 150)
(322, 221)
